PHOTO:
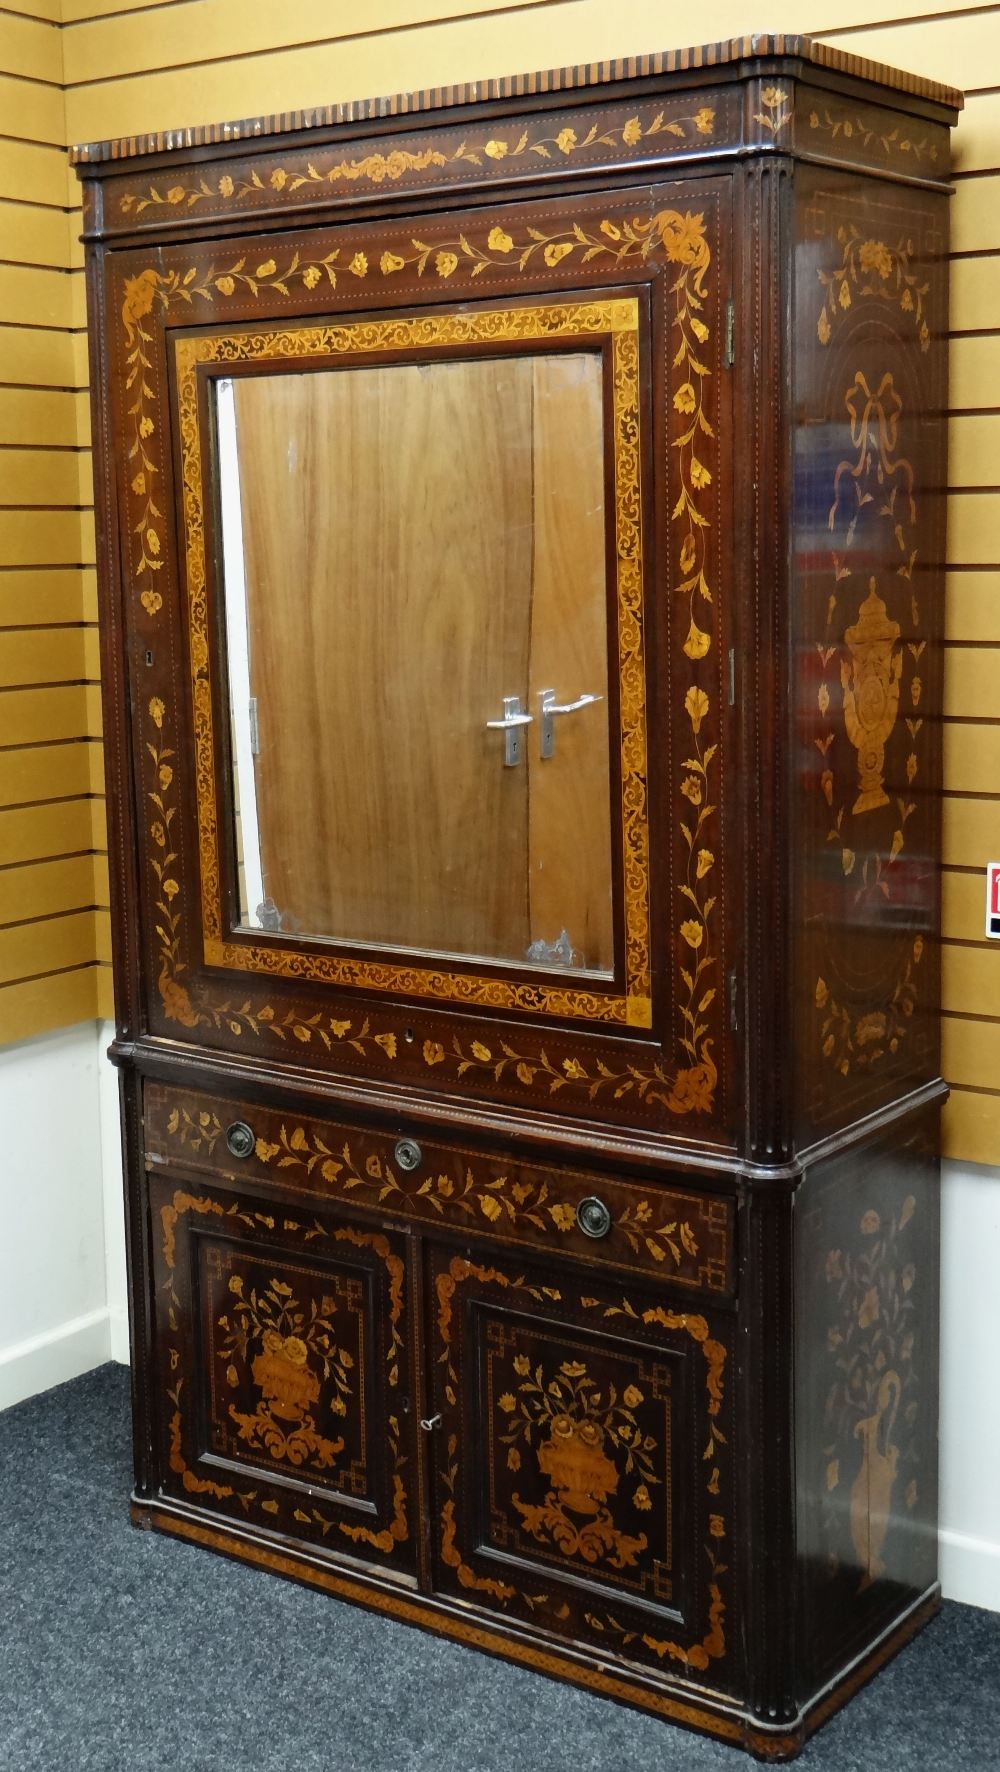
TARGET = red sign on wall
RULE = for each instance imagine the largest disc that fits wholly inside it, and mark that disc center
(993, 899)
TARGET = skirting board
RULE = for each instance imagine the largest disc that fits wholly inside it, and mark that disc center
(970, 1570)
(50, 1359)
(118, 1326)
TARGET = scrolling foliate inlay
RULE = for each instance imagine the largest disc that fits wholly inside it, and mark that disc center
(864, 659)
(163, 858)
(714, 1455)
(683, 1235)
(679, 238)
(858, 131)
(669, 127)
(694, 1085)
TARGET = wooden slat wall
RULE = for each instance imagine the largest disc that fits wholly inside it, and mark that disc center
(131, 65)
(53, 866)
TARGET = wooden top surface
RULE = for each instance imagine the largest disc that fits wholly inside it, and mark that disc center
(760, 46)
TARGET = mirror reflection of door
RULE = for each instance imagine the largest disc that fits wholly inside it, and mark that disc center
(413, 553)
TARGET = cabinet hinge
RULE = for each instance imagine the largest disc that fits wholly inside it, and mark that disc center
(254, 728)
(729, 350)
(732, 676)
(734, 1009)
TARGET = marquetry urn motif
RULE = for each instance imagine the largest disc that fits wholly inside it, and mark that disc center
(521, 567)
(290, 1352)
(871, 695)
(579, 1436)
(282, 1371)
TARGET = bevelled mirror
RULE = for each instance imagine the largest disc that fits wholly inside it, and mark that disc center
(426, 610)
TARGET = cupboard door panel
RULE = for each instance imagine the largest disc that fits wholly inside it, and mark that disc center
(444, 505)
(284, 1366)
(582, 1474)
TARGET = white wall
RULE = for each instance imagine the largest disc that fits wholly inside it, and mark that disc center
(114, 1208)
(53, 1300)
(970, 1384)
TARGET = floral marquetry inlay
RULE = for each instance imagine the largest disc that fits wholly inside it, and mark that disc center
(871, 682)
(291, 1352)
(454, 1063)
(483, 149)
(776, 112)
(684, 1235)
(680, 238)
(873, 1399)
(287, 1361)
(880, 133)
(694, 1086)
(615, 320)
(164, 861)
(873, 268)
(587, 1442)
(581, 1427)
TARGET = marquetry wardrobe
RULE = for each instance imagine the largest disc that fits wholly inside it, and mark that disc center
(520, 515)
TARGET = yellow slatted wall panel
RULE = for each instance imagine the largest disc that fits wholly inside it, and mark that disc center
(53, 884)
(132, 66)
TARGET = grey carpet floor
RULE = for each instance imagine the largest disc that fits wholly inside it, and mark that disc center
(125, 1652)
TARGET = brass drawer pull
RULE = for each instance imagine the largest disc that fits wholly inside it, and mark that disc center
(593, 1217)
(240, 1139)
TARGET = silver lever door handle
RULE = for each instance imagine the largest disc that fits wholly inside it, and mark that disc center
(550, 707)
(510, 726)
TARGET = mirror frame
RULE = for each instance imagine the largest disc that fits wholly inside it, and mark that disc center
(612, 323)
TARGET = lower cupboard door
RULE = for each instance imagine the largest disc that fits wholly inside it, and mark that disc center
(583, 1460)
(282, 1367)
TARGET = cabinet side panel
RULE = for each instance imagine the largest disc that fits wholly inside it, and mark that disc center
(866, 1391)
(867, 585)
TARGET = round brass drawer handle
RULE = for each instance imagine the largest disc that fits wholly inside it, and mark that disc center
(240, 1139)
(593, 1217)
(408, 1154)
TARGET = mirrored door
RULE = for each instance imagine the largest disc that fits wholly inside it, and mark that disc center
(415, 564)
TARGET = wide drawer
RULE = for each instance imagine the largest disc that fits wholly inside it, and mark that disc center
(683, 1235)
